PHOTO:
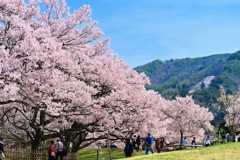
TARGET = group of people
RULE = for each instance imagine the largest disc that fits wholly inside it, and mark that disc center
(56, 150)
(185, 141)
(206, 142)
(226, 138)
(135, 144)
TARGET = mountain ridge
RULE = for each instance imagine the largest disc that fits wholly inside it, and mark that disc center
(178, 77)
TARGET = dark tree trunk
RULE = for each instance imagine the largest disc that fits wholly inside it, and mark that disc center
(35, 143)
(37, 138)
(232, 132)
(158, 145)
(181, 139)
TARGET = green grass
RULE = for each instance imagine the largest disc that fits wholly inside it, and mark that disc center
(228, 151)
(91, 154)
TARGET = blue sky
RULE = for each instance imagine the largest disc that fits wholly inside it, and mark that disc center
(145, 30)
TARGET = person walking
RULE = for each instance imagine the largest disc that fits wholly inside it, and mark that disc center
(128, 150)
(59, 149)
(51, 151)
(134, 141)
(138, 142)
(148, 144)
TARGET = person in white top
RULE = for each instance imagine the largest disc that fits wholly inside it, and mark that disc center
(59, 150)
(207, 142)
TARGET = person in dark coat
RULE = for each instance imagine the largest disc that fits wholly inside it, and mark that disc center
(193, 142)
(138, 142)
(134, 141)
(128, 150)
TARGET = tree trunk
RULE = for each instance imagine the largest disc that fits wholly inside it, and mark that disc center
(34, 147)
(36, 141)
(181, 139)
(232, 132)
(158, 145)
(75, 149)
(109, 151)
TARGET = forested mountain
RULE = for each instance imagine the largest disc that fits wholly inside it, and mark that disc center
(199, 77)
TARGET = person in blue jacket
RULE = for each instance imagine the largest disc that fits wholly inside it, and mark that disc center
(148, 144)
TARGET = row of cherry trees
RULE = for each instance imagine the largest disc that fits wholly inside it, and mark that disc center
(60, 79)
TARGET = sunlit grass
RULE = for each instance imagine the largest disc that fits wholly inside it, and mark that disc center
(228, 151)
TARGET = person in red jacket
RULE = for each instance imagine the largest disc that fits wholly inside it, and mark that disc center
(51, 151)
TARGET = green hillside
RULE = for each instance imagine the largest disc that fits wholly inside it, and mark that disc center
(186, 76)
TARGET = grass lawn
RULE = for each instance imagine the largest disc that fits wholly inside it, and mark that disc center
(91, 154)
(228, 151)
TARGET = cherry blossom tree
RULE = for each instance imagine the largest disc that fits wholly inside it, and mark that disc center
(58, 79)
(186, 119)
(38, 71)
(231, 108)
